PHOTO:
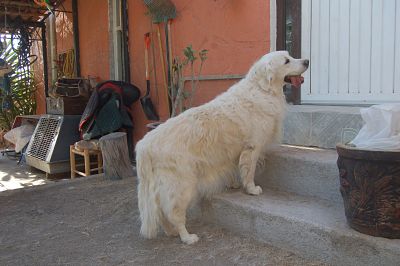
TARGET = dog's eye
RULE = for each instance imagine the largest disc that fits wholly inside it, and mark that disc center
(287, 61)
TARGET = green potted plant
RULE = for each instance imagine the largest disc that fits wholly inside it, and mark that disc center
(180, 97)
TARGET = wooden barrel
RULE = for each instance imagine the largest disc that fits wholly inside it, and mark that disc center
(370, 187)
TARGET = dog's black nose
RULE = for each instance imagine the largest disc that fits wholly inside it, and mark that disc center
(306, 62)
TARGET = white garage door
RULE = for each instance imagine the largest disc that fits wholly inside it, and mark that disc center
(354, 47)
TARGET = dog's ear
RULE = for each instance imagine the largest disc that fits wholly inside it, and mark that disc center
(269, 72)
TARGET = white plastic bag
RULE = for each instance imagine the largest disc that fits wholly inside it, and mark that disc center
(382, 128)
(20, 136)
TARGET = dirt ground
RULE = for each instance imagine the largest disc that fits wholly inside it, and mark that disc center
(94, 221)
(14, 176)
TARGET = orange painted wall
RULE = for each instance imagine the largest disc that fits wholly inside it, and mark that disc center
(93, 34)
(93, 38)
(236, 33)
(64, 29)
(37, 68)
(65, 42)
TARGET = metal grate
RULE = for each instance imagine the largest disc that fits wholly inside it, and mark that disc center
(42, 140)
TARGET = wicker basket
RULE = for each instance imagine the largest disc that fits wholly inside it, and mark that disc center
(370, 187)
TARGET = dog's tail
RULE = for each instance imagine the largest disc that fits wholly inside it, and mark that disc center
(147, 197)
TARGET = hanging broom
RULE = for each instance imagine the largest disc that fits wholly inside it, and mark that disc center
(163, 11)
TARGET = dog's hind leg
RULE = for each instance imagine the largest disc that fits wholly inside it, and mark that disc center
(247, 165)
(168, 227)
(175, 208)
(178, 219)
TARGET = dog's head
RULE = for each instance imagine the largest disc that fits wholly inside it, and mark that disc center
(279, 68)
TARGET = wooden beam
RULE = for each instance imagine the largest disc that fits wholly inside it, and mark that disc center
(75, 25)
(15, 24)
(28, 12)
(280, 25)
(22, 14)
(24, 4)
(17, 3)
(125, 30)
(45, 64)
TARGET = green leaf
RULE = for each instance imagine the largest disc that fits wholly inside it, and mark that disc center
(203, 55)
(190, 54)
(22, 89)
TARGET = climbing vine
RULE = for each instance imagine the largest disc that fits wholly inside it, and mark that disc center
(17, 88)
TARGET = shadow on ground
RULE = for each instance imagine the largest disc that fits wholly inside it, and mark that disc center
(14, 176)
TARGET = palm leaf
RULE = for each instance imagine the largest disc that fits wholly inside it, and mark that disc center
(22, 89)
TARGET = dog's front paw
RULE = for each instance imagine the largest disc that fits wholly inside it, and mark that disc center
(254, 190)
(190, 239)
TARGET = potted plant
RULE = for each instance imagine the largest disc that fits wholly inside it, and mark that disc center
(370, 187)
(180, 97)
(369, 169)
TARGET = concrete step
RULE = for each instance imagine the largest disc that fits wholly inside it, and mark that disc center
(310, 227)
(302, 170)
(321, 126)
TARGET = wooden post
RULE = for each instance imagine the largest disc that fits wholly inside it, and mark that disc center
(87, 161)
(100, 163)
(45, 65)
(75, 26)
(116, 163)
(73, 163)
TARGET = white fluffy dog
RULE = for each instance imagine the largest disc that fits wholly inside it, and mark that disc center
(198, 152)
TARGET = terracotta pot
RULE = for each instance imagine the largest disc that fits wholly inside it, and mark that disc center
(370, 187)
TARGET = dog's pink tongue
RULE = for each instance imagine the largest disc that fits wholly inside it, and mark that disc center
(296, 81)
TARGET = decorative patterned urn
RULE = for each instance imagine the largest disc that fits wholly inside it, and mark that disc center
(370, 187)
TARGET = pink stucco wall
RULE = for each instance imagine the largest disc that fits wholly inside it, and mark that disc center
(93, 38)
(236, 33)
(64, 29)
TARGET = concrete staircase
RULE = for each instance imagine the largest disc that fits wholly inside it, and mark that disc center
(321, 126)
(301, 208)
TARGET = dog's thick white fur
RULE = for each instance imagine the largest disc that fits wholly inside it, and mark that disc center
(198, 152)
